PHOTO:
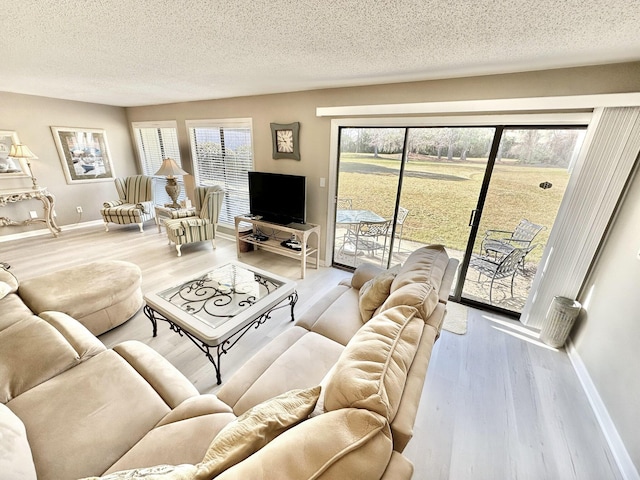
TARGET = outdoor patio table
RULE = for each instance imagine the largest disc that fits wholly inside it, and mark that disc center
(356, 216)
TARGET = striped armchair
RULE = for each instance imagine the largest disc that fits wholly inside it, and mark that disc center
(135, 204)
(202, 227)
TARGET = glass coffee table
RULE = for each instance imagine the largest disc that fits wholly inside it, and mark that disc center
(218, 307)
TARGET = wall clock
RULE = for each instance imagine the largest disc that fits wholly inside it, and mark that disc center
(284, 137)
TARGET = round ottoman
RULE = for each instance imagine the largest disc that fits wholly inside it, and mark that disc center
(100, 295)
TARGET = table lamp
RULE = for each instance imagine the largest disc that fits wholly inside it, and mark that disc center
(19, 150)
(170, 169)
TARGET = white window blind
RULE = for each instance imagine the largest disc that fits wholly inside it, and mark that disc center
(157, 141)
(222, 152)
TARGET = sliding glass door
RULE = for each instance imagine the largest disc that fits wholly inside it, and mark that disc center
(400, 188)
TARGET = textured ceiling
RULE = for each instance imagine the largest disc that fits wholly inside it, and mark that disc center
(144, 52)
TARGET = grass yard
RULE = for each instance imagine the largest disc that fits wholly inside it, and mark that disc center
(440, 196)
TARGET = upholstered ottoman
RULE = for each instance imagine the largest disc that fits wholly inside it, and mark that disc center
(100, 295)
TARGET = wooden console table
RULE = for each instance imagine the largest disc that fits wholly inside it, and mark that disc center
(276, 233)
(14, 195)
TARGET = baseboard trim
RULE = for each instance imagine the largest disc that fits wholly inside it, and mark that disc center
(46, 231)
(619, 451)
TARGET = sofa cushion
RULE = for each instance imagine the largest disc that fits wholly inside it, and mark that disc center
(31, 352)
(336, 315)
(294, 359)
(13, 310)
(421, 296)
(16, 462)
(372, 370)
(373, 293)
(344, 444)
(424, 265)
(182, 437)
(82, 421)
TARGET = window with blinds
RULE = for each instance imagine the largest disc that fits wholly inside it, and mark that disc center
(222, 152)
(155, 142)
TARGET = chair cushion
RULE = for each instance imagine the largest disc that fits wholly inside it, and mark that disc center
(372, 370)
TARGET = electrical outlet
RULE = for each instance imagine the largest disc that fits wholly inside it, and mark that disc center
(33, 214)
(79, 209)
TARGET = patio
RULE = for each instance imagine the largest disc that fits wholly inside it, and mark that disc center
(473, 289)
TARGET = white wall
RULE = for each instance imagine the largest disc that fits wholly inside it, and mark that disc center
(31, 117)
(607, 338)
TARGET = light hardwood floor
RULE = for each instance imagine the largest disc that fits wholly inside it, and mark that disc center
(496, 405)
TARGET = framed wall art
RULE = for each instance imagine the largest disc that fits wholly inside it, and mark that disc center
(11, 167)
(84, 154)
(284, 137)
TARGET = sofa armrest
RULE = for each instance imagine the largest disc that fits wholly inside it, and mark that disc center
(403, 422)
(168, 382)
(399, 468)
(81, 339)
(146, 207)
(114, 203)
(447, 280)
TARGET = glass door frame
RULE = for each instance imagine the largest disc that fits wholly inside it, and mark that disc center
(499, 122)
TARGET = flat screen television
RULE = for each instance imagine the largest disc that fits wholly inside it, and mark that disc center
(277, 197)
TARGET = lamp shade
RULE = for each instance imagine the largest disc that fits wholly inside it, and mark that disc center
(21, 151)
(170, 168)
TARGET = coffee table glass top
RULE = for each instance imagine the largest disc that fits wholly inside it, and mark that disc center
(221, 294)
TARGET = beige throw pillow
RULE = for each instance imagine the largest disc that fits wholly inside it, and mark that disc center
(374, 292)
(5, 289)
(255, 428)
(157, 472)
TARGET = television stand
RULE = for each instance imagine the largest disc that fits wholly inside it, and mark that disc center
(276, 234)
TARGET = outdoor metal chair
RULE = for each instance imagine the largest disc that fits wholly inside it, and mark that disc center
(344, 204)
(363, 237)
(504, 267)
(402, 216)
(497, 244)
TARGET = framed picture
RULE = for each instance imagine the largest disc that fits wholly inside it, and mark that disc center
(284, 137)
(11, 167)
(84, 154)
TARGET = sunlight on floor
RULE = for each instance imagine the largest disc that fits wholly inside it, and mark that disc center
(518, 330)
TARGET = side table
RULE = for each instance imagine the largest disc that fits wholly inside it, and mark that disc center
(168, 212)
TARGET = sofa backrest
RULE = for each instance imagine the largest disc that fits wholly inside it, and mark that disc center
(372, 370)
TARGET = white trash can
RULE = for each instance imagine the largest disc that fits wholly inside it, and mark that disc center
(561, 316)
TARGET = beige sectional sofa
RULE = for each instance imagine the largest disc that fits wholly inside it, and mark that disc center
(73, 408)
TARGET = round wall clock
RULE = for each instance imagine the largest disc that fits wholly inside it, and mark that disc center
(285, 140)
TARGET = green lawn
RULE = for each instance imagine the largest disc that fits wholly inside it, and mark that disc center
(440, 195)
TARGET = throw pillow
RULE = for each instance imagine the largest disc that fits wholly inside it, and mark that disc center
(5, 289)
(238, 440)
(255, 428)
(157, 472)
(374, 292)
